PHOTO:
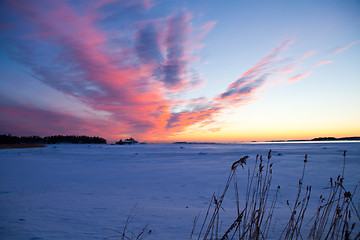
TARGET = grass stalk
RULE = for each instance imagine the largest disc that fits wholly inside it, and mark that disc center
(330, 221)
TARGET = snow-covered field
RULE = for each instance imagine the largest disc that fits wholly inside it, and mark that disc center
(69, 191)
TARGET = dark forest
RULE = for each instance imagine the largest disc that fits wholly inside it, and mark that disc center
(9, 139)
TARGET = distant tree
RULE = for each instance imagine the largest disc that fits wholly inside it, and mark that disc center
(8, 139)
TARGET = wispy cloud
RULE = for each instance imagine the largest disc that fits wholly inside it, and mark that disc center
(176, 62)
(255, 76)
(307, 55)
(305, 74)
(239, 91)
(300, 76)
(321, 63)
(342, 48)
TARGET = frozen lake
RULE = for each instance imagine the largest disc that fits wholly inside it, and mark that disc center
(70, 191)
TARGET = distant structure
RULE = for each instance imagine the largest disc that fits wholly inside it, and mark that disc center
(127, 141)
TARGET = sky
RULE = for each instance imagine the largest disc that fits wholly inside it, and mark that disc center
(157, 70)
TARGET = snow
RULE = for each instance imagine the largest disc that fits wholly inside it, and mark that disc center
(67, 191)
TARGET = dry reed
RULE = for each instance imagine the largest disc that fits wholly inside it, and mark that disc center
(253, 221)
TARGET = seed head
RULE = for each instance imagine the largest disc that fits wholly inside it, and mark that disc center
(347, 194)
(241, 161)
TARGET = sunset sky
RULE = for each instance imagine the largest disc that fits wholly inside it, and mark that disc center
(157, 70)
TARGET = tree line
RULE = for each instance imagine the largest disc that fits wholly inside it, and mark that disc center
(336, 139)
(9, 139)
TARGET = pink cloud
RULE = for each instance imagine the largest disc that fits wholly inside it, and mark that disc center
(297, 77)
(344, 47)
(215, 129)
(306, 55)
(205, 29)
(179, 121)
(300, 76)
(148, 4)
(322, 63)
(289, 68)
(256, 76)
(241, 90)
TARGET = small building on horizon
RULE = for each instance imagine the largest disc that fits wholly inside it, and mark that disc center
(127, 141)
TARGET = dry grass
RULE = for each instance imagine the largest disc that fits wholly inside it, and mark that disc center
(125, 233)
(333, 216)
(332, 219)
